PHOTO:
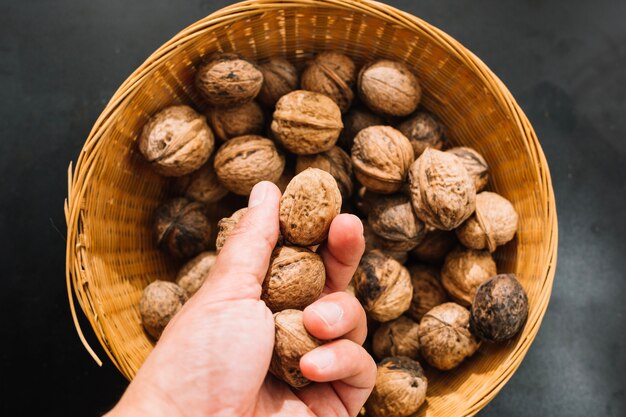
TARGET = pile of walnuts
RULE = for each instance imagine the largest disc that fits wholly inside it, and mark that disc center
(338, 139)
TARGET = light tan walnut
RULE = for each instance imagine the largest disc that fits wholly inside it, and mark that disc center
(280, 77)
(389, 88)
(160, 301)
(193, 274)
(464, 270)
(201, 185)
(397, 338)
(475, 165)
(394, 222)
(332, 74)
(427, 290)
(228, 123)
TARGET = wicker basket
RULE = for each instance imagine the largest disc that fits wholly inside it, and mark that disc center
(111, 255)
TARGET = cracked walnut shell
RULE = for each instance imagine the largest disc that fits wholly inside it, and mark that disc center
(193, 274)
(336, 162)
(394, 222)
(160, 301)
(182, 227)
(332, 74)
(475, 165)
(228, 123)
(397, 338)
(464, 270)
(427, 290)
(280, 77)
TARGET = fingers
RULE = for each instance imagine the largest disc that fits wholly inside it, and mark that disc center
(336, 315)
(342, 251)
(242, 263)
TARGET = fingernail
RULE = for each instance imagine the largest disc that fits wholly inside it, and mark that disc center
(321, 358)
(329, 313)
(257, 195)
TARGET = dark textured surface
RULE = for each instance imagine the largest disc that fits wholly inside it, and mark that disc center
(61, 60)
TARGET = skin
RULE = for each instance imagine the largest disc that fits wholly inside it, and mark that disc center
(213, 357)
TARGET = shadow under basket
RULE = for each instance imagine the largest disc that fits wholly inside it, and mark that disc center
(111, 253)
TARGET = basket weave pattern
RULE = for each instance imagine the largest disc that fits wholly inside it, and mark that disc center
(111, 254)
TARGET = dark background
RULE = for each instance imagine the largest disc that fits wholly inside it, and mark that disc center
(564, 61)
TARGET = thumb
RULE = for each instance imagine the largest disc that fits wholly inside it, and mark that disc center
(242, 264)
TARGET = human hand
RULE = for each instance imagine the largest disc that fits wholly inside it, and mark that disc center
(213, 357)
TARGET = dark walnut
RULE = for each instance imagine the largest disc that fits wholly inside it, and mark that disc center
(201, 185)
(176, 141)
(182, 228)
(435, 246)
(427, 290)
(442, 192)
(280, 77)
(228, 123)
(500, 309)
(332, 74)
(445, 338)
(228, 80)
(291, 342)
(306, 123)
(389, 88)
(160, 301)
(397, 338)
(355, 120)
(475, 165)
(372, 241)
(493, 224)
(365, 199)
(193, 274)
(424, 130)
(383, 286)
(226, 226)
(334, 161)
(308, 206)
(242, 162)
(464, 270)
(394, 222)
(400, 388)
(295, 279)
(381, 157)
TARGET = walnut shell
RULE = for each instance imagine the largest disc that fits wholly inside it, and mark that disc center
(373, 241)
(424, 130)
(280, 77)
(383, 286)
(228, 80)
(176, 141)
(182, 228)
(427, 290)
(201, 185)
(397, 338)
(306, 122)
(381, 157)
(442, 192)
(160, 301)
(365, 199)
(389, 88)
(228, 123)
(400, 388)
(494, 223)
(445, 338)
(500, 308)
(193, 274)
(394, 222)
(334, 161)
(295, 279)
(308, 206)
(242, 162)
(226, 226)
(291, 342)
(475, 165)
(355, 120)
(464, 270)
(332, 74)
(435, 246)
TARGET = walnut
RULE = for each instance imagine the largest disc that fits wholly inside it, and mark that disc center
(464, 270)
(182, 228)
(306, 122)
(400, 388)
(365, 199)
(334, 161)
(228, 123)
(228, 80)
(193, 273)
(389, 88)
(242, 162)
(332, 74)
(445, 338)
(424, 130)
(442, 192)
(295, 279)
(435, 246)
(427, 290)
(226, 226)
(308, 206)
(160, 301)
(176, 141)
(394, 222)
(372, 241)
(280, 77)
(291, 342)
(500, 308)
(493, 224)
(383, 286)
(381, 157)
(475, 165)
(397, 338)
(201, 185)
(355, 120)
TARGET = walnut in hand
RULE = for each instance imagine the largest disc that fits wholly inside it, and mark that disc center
(160, 301)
